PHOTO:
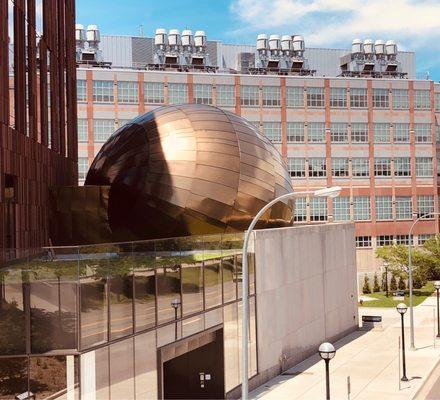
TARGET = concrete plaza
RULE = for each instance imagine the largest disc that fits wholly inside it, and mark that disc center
(370, 359)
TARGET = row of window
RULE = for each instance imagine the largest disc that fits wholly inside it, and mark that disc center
(358, 208)
(342, 132)
(315, 167)
(270, 96)
(389, 240)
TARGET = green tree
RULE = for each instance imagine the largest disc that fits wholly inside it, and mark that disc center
(393, 283)
(384, 282)
(402, 284)
(376, 287)
(366, 288)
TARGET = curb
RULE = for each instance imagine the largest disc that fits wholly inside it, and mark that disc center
(417, 392)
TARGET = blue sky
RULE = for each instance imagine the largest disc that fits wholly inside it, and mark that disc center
(415, 24)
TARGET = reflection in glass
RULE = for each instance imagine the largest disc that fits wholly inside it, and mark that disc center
(238, 273)
(253, 338)
(121, 304)
(229, 281)
(12, 331)
(145, 366)
(168, 288)
(95, 374)
(193, 325)
(13, 377)
(192, 287)
(213, 282)
(53, 315)
(94, 312)
(145, 297)
(121, 370)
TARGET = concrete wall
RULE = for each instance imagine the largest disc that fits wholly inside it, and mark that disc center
(306, 292)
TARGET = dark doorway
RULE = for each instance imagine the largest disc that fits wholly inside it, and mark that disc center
(10, 197)
(196, 374)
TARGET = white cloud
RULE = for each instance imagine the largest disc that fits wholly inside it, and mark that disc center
(397, 18)
(415, 25)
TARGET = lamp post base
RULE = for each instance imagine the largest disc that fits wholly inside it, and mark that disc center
(404, 379)
(438, 335)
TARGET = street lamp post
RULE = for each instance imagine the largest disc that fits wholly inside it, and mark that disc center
(326, 192)
(401, 309)
(175, 303)
(385, 265)
(437, 288)
(327, 352)
(410, 277)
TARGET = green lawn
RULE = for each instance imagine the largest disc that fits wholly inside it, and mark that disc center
(382, 301)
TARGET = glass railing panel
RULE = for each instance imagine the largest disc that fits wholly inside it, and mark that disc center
(212, 262)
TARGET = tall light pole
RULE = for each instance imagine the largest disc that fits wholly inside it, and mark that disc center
(327, 352)
(385, 265)
(175, 303)
(410, 277)
(401, 309)
(326, 192)
(437, 288)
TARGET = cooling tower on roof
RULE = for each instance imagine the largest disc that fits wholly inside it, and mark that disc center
(187, 38)
(262, 42)
(372, 59)
(274, 44)
(286, 44)
(80, 36)
(200, 40)
(174, 39)
(298, 44)
(93, 36)
(89, 54)
(161, 38)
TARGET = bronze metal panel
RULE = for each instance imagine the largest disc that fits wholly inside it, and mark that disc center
(189, 169)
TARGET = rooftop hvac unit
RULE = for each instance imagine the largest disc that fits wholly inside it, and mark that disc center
(80, 36)
(379, 48)
(262, 43)
(187, 38)
(298, 44)
(357, 47)
(93, 36)
(274, 44)
(161, 38)
(286, 44)
(200, 40)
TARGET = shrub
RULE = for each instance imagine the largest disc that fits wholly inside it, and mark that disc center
(376, 287)
(366, 288)
(384, 282)
(417, 281)
(402, 284)
(393, 283)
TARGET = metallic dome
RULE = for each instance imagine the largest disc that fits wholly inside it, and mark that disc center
(189, 169)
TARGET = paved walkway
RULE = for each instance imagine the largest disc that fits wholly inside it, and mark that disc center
(370, 359)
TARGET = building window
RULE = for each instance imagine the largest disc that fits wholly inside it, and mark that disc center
(202, 94)
(318, 209)
(402, 166)
(363, 241)
(177, 93)
(83, 166)
(338, 132)
(360, 167)
(103, 92)
(341, 208)
(340, 167)
(338, 97)
(315, 97)
(295, 132)
(384, 240)
(271, 96)
(403, 207)
(384, 208)
(382, 133)
(380, 98)
(437, 101)
(361, 208)
(425, 205)
(401, 133)
(82, 130)
(317, 167)
(225, 95)
(358, 98)
(103, 129)
(423, 166)
(249, 95)
(316, 132)
(424, 237)
(296, 167)
(400, 99)
(382, 166)
(153, 92)
(272, 130)
(422, 133)
(422, 100)
(359, 132)
(404, 239)
(295, 97)
(128, 92)
(81, 90)
(300, 209)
